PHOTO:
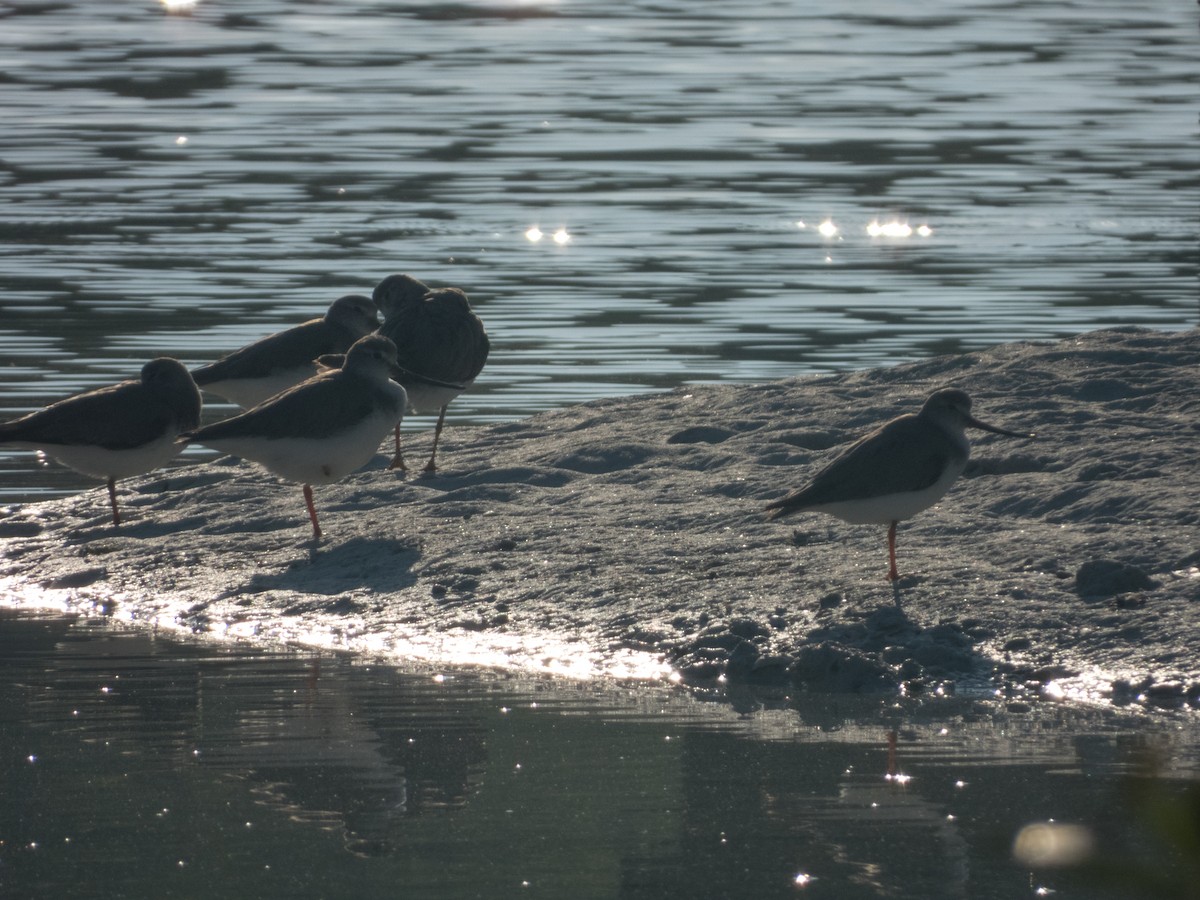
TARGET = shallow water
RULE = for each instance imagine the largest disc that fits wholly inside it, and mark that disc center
(182, 184)
(136, 765)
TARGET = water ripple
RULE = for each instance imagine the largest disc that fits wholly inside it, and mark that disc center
(183, 184)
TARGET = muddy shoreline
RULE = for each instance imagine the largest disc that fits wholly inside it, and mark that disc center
(626, 537)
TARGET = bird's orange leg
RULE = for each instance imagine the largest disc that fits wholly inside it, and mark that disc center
(892, 573)
(431, 466)
(312, 511)
(112, 498)
(398, 460)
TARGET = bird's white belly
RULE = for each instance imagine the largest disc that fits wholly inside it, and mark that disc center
(249, 392)
(887, 508)
(313, 460)
(101, 463)
(426, 399)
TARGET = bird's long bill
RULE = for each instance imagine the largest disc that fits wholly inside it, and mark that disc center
(984, 426)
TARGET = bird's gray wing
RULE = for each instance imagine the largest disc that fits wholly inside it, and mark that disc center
(118, 417)
(900, 457)
(331, 361)
(327, 404)
(283, 350)
(439, 338)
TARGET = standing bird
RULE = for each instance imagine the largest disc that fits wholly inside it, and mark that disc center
(321, 430)
(440, 343)
(282, 360)
(896, 471)
(117, 431)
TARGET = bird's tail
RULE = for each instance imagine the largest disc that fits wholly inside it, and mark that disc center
(779, 508)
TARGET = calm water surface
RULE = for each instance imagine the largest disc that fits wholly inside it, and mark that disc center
(137, 766)
(183, 184)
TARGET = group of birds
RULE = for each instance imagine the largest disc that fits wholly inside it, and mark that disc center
(320, 397)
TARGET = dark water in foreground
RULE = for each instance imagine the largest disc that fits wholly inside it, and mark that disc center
(138, 766)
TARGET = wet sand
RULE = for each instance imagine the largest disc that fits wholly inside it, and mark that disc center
(626, 537)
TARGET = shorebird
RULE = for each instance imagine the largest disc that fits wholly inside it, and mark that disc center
(279, 361)
(441, 346)
(896, 471)
(117, 431)
(321, 430)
